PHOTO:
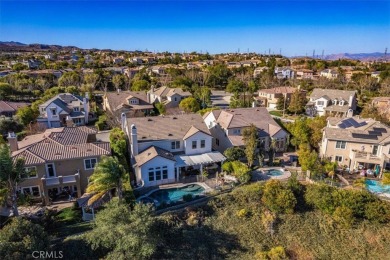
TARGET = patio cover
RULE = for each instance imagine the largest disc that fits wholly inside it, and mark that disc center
(204, 158)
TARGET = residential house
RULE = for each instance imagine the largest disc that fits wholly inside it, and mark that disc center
(376, 74)
(136, 60)
(64, 110)
(130, 73)
(257, 72)
(270, 97)
(329, 74)
(9, 109)
(58, 161)
(284, 73)
(163, 148)
(331, 101)
(159, 70)
(132, 103)
(226, 126)
(170, 97)
(305, 74)
(382, 104)
(357, 143)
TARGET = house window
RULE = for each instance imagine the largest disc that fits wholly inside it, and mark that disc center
(194, 144)
(236, 131)
(175, 98)
(89, 164)
(76, 109)
(165, 172)
(202, 143)
(175, 145)
(320, 103)
(158, 173)
(375, 150)
(217, 141)
(53, 111)
(77, 121)
(341, 144)
(31, 191)
(338, 158)
(151, 174)
(30, 172)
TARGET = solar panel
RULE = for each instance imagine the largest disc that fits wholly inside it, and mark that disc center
(364, 136)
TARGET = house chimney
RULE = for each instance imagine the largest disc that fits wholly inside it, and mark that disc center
(13, 141)
(253, 104)
(134, 141)
(69, 122)
(86, 108)
(124, 123)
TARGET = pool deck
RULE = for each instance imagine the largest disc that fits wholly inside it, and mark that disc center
(259, 175)
(207, 189)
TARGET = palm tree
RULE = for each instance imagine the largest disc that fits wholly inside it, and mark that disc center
(11, 173)
(109, 174)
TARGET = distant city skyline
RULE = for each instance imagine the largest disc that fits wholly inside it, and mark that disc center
(293, 28)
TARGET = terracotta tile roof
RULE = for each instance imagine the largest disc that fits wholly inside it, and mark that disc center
(153, 152)
(70, 143)
(167, 127)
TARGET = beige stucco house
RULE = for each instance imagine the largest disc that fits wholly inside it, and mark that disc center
(356, 143)
(58, 160)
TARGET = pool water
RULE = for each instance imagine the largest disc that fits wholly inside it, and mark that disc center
(175, 194)
(274, 172)
(377, 187)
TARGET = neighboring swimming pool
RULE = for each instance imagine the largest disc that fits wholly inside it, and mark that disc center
(377, 187)
(274, 172)
(172, 195)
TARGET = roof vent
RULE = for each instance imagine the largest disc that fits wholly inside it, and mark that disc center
(149, 119)
(169, 134)
(174, 117)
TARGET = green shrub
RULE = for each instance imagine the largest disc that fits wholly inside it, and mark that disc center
(344, 216)
(278, 198)
(377, 211)
(320, 197)
(242, 213)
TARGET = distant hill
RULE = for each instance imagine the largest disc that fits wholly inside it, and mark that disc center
(18, 46)
(357, 56)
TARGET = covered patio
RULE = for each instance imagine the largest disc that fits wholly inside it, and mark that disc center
(198, 161)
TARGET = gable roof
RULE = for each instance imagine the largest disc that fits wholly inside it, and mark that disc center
(193, 130)
(151, 153)
(67, 143)
(284, 90)
(7, 106)
(167, 127)
(167, 92)
(118, 99)
(332, 93)
(63, 100)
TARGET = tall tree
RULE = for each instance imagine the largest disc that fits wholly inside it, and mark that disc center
(11, 173)
(119, 81)
(122, 233)
(189, 105)
(108, 174)
(250, 137)
(280, 105)
(71, 78)
(297, 103)
(21, 238)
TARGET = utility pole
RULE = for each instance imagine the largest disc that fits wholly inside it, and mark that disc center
(322, 56)
(314, 54)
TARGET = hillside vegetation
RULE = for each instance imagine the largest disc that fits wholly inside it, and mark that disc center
(256, 221)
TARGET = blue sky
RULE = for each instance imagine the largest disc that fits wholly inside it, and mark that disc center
(295, 27)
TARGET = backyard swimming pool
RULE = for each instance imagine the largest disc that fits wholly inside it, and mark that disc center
(172, 194)
(274, 172)
(377, 187)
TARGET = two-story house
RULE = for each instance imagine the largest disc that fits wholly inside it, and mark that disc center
(331, 101)
(270, 97)
(305, 74)
(227, 126)
(162, 148)
(284, 73)
(64, 110)
(58, 160)
(357, 143)
(132, 103)
(170, 97)
(329, 74)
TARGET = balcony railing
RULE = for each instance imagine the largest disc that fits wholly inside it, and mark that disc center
(365, 155)
(69, 179)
